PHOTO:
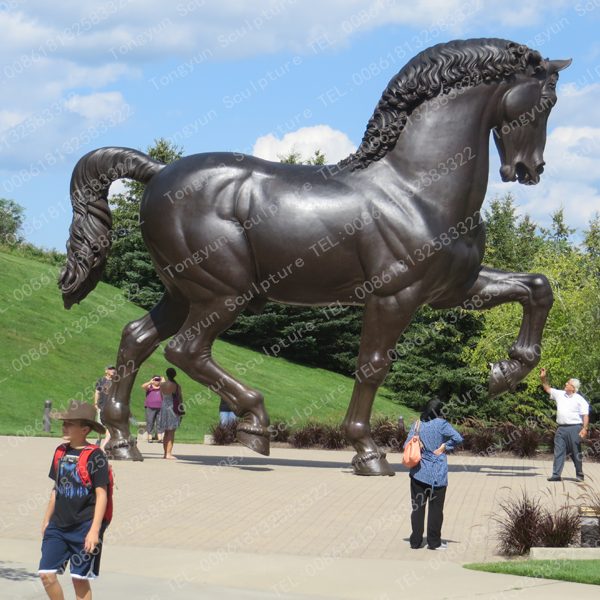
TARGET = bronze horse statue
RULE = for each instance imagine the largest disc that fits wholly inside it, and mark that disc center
(392, 227)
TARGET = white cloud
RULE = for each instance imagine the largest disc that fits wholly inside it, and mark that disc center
(234, 29)
(334, 144)
(97, 106)
(10, 118)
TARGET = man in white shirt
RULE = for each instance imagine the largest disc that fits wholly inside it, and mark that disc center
(572, 416)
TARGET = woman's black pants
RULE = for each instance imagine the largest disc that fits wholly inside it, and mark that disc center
(421, 494)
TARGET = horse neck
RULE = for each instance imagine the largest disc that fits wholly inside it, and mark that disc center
(459, 131)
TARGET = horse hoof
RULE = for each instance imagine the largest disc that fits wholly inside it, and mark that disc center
(372, 464)
(257, 442)
(123, 450)
(503, 377)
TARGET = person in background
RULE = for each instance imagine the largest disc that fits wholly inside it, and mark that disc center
(153, 405)
(429, 479)
(572, 416)
(101, 397)
(168, 421)
(225, 413)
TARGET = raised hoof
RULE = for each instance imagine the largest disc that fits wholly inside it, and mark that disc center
(123, 450)
(258, 443)
(372, 465)
(504, 377)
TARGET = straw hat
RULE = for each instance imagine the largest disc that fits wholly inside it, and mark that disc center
(80, 411)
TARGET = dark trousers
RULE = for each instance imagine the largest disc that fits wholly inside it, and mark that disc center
(567, 439)
(421, 495)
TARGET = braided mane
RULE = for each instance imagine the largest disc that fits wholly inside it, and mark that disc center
(437, 70)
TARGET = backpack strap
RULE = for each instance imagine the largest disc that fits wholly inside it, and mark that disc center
(82, 462)
(58, 454)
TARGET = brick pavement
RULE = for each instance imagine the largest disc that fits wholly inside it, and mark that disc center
(226, 501)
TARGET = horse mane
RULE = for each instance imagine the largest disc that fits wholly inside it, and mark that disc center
(434, 71)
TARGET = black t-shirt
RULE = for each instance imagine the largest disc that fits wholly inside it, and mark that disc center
(224, 407)
(103, 387)
(75, 503)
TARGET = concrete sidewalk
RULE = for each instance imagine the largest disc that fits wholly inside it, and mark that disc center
(223, 522)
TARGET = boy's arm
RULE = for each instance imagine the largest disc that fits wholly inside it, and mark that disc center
(92, 538)
(96, 397)
(49, 511)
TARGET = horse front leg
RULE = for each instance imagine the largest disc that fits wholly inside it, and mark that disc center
(384, 320)
(494, 287)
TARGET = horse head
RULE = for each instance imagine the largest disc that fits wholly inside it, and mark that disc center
(520, 134)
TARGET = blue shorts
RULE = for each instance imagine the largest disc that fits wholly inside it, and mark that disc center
(61, 545)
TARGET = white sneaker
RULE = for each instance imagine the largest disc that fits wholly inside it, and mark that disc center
(443, 546)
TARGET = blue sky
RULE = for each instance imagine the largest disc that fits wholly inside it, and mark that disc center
(260, 77)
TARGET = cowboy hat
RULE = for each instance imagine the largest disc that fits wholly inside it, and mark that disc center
(80, 411)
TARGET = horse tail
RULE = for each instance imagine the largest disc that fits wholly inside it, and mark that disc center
(89, 240)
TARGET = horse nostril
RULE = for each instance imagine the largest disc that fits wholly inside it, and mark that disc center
(539, 167)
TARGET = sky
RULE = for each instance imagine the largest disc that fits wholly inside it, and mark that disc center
(262, 77)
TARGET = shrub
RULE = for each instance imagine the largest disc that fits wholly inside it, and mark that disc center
(559, 530)
(333, 438)
(483, 441)
(224, 434)
(526, 443)
(591, 445)
(280, 432)
(303, 437)
(518, 527)
(383, 431)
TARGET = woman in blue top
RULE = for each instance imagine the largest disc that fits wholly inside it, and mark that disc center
(429, 479)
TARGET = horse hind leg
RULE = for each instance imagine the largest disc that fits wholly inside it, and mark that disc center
(190, 350)
(139, 340)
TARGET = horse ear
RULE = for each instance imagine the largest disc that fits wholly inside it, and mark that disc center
(554, 66)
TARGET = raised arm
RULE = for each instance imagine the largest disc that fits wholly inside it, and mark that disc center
(545, 385)
(146, 386)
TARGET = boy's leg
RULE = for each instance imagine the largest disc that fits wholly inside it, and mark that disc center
(52, 586)
(84, 565)
(83, 590)
(55, 556)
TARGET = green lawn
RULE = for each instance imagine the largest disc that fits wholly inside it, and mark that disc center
(579, 571)
(78, 360)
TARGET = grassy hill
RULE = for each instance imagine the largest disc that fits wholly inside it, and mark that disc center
(31, 371)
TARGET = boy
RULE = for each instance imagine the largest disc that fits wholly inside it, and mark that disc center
(73, 526)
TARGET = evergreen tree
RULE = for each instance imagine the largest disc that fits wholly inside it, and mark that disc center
(511, 241)
(129, 265)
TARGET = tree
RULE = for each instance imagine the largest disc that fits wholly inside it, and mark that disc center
(511, 241)
(12, 216)
(428, 359)
(571, 339)
(129, 265)
(294, 156)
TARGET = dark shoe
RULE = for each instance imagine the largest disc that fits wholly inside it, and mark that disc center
(554, 478)
(580, 477)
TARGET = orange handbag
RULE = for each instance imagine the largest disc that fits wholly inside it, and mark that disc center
(412, 452)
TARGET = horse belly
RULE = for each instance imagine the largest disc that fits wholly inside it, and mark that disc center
(306, 269)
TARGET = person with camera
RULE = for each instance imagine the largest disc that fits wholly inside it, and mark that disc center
(153, 405)
(171, 412)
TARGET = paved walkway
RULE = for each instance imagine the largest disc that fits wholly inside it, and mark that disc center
(227, 523)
